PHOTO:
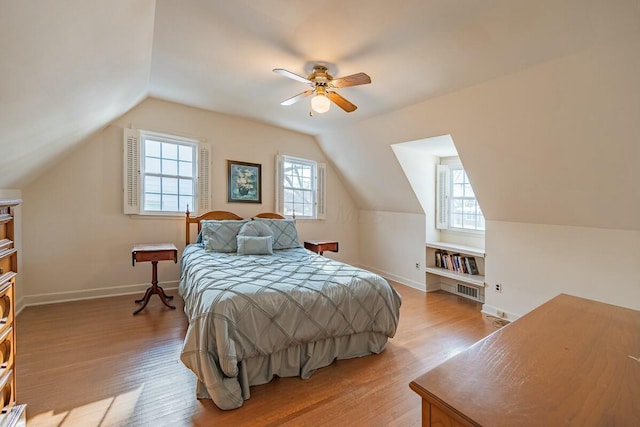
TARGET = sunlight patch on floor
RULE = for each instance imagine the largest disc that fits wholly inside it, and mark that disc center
(112, 411)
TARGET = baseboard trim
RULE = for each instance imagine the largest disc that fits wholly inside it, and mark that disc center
(19, 305)
(400, 279)
(490, 310)
(85, 294)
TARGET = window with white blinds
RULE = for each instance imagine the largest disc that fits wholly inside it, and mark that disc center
(164, 174)
(300, 185)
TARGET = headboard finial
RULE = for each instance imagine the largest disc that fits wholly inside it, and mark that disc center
(188, 236)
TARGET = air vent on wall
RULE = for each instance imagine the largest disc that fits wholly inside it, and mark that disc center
(468, 291)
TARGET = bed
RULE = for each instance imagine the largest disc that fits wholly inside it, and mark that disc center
(253, 316)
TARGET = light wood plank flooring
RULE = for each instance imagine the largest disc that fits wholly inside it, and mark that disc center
(92, 363)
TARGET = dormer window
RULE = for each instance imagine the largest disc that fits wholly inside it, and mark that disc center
(456, 205)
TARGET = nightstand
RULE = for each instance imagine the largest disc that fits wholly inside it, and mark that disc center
(153, 253)
(319, 246)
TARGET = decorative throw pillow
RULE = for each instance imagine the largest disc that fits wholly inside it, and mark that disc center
(256, 229)
(220, 236)
(255, 245)
(285, 234)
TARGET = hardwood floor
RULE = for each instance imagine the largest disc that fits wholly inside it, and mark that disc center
(92, 363)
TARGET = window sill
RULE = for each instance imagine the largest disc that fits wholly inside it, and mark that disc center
(171, 216)
(462, 231)
(305, 219)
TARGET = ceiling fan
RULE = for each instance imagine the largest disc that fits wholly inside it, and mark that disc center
(321, 82)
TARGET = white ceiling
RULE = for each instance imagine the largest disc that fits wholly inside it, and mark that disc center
(219, 55)
(70, 67)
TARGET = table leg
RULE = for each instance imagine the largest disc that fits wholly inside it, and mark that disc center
(154, 289)
(163, 295)
(146, 298)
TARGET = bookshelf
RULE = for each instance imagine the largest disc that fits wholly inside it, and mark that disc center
(11, 414)
(453, 274)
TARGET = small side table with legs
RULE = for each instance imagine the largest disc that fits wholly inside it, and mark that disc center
(154, 252)
(319, 246)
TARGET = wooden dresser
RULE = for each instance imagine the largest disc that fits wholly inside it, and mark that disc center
(12, 414)
(569, 362)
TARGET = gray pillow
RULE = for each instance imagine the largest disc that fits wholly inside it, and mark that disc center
(285, 234)
(255, 245)
(255, 229)
(220, 236)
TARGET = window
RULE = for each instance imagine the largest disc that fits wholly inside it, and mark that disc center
(165, 174)
(300, 184)
(456, 205)
(464, 211)
(168, 174)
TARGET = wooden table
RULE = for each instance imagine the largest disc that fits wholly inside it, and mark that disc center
(319, 246)
(570, 361)
(154, 252)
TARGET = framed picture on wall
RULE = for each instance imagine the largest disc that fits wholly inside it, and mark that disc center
(244, 183)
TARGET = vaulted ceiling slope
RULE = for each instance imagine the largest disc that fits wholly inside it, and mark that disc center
(70, 67)
(557, 143)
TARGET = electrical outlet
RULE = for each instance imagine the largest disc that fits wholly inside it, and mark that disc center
(417, 266)
(499, 287)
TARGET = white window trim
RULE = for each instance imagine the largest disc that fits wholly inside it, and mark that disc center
(133, 179)
(319, 199)
(443, 175)
(443, 189)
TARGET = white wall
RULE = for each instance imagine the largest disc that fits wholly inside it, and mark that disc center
(557, 144)
(17, 242)
(391, 243)
(78, 242)
(536, 262)
(420, 168)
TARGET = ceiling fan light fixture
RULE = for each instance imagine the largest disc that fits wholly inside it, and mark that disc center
(320, 103)
(321, 84)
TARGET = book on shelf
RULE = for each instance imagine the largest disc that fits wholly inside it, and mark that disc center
(473, 266)
(445, 260)
(6, 251)
(467, 265)
(449, 261)
(456, 262)
(462, 264)
(5, 244)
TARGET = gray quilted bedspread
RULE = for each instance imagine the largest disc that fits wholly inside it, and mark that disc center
(242, 306)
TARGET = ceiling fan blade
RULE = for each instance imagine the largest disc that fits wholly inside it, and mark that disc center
(352, 80)
(296, 98)
(291, 75)
(341, 102)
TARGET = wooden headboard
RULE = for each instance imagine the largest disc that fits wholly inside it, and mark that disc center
(269, 215)
(219, 215)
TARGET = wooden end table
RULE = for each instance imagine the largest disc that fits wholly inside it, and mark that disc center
(319, 246)
(154, 252)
